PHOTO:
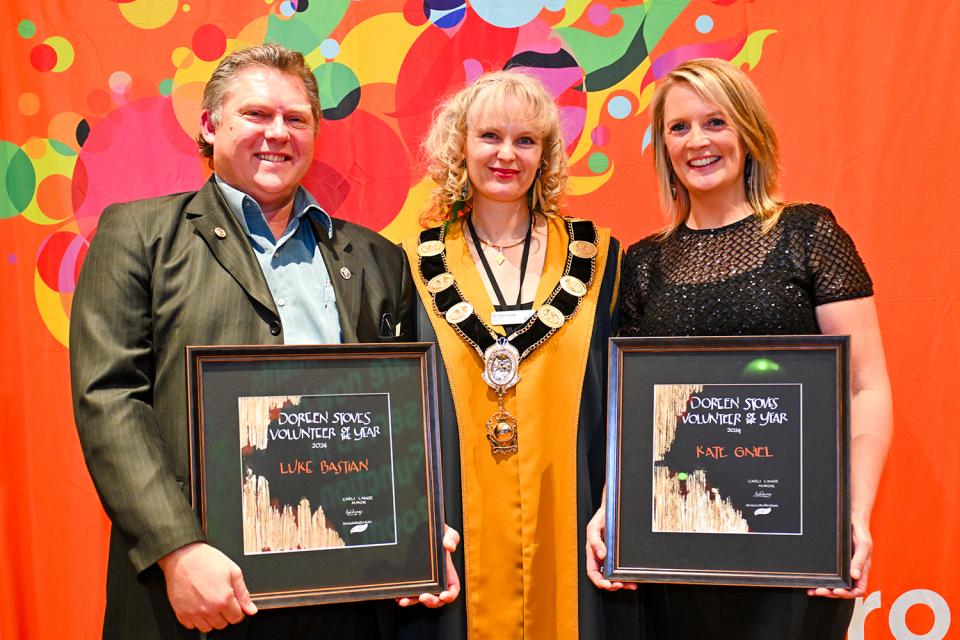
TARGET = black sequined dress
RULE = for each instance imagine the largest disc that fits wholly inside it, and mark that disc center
(735, 280)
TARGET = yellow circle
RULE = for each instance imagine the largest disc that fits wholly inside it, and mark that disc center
(28, 103)
(64, 52)
(179, 56)
(149, 14)
(186, 8)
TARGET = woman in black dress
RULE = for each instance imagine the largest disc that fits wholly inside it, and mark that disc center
(735, 260)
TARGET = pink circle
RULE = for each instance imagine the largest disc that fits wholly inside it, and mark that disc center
(125, 152)
(598, 14)
(600, 136)
(120, 82)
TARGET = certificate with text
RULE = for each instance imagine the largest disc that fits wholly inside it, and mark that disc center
(728, 460)
(316, 468)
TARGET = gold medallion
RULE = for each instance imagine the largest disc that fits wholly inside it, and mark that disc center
(459, 312)
(502, 432)
(429, 248)
(581, 249)
(501, 360)
(573, 285)
(550, 316)
(501, 365)
(440, 282)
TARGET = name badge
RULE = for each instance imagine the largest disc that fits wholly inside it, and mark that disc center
(505, 318)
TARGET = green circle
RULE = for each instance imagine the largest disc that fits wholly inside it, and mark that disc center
(682, 477)
(19, 180)
(26, 29)
(598, 162)
(165, 87)
(339, 90)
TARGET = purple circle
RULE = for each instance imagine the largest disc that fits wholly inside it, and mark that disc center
(600, 135)
(598, 14)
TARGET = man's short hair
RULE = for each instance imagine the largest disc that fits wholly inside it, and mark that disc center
(270, 55)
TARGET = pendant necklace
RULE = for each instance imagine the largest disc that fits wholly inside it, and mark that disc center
(502, 354)
(506, 314)
(500, 258)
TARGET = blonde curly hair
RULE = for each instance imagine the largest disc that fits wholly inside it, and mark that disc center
(445, 142)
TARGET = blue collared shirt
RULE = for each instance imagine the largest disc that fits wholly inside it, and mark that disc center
(293, 266)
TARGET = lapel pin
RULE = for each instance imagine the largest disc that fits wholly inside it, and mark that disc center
(345, 273)
(220, 233)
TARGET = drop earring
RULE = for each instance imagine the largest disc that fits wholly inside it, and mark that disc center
(748, 172)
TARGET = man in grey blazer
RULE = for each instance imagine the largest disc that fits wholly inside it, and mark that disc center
(250, 258)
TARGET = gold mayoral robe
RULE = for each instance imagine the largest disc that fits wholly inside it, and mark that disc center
(523, 514)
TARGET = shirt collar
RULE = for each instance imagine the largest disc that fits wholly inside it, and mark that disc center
(303, 203)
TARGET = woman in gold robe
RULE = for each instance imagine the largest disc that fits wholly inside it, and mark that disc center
(521, 301)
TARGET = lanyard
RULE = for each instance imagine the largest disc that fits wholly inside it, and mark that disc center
(486, 264)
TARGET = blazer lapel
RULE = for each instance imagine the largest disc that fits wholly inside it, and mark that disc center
(346, 276)
(213, 220)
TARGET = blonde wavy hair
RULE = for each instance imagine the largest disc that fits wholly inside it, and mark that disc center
(724, 85)
(445, 142)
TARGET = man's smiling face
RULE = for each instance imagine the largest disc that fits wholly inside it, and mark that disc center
(263, 142)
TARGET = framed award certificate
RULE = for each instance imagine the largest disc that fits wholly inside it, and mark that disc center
(316, 468)
(728, 461)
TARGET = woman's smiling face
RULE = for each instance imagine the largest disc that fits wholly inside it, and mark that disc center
(502, 152)
(705, 149)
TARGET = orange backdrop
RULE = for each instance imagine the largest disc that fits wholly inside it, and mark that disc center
(98, 103)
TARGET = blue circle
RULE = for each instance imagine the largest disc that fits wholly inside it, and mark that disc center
(619, 107)
(287, 8)
(704, 24)
(330, 48)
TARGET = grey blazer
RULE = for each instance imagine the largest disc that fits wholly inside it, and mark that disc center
(161, 274)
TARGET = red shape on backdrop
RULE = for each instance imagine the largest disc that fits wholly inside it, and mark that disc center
(327, 185)
(59, 260)
(434, 66)
(413, 12)
(43, 57)
(209, 42)
(49, 256)
(365, 183)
